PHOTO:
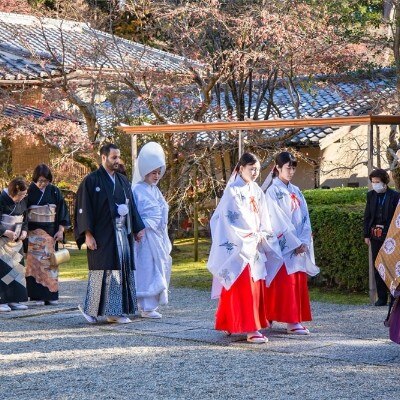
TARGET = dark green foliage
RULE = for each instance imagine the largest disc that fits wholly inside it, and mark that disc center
(352, 14)
(48, 4)
(337, 222)
(339, 245)
(336, 196)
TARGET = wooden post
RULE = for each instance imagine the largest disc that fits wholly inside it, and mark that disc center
(196, 230)
(195, 218)
(133, 151)
(378, 148)
(240, 144)
(371, 273)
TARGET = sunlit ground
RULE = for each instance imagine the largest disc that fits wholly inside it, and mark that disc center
(193, 274)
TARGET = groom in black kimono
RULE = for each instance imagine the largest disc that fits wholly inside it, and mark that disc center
(106, 219)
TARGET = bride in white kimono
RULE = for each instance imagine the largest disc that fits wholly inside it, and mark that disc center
(243, 245)
(287, 297)
(152, 254)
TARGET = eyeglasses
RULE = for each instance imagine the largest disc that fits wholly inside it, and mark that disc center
(42, 181)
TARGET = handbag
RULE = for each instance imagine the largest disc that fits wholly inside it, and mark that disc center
(60, 256)
(377, 232)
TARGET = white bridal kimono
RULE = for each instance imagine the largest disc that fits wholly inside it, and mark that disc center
(152, 254)
(291, 222)
(241, 234)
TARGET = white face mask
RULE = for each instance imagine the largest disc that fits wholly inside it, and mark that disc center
(379, 187)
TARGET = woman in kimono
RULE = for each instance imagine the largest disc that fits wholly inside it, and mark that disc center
(287, 298)
(243, 245)
(152, 254)
(47, 219)
(13, 230)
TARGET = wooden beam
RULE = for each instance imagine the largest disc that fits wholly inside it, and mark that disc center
(261, 124)
(385, 119)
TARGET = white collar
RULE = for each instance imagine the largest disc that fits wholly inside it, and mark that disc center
(112, 177)
(278, 182)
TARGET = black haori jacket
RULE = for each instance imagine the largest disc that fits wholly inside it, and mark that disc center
(95, 211)
(392, 198)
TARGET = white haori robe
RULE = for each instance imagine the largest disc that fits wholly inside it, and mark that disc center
(152, 254)
(291, 222)
(241, 235)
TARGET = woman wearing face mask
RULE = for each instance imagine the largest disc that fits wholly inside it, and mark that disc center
(243, 246)
(152, 254)
(379, 210)
(287, 297)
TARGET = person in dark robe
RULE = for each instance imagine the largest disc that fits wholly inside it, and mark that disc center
(13, 230)
(379, 210)
(48, 217)
(107, 221)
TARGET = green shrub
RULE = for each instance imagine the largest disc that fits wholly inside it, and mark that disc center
(336, 196)
(339, 246)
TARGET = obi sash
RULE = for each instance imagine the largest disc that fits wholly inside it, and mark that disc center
(46, 213)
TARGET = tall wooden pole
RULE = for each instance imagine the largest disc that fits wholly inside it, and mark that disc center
(240, 144)
(133, 151)
(195, 218)
(371, 274)
(196, 230)
(378, 148)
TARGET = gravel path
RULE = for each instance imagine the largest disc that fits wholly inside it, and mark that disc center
(52, 353)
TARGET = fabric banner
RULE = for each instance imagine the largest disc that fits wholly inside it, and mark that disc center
(388, 260)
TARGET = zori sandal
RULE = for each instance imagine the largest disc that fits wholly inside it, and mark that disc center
(298, 331)
(257, 338)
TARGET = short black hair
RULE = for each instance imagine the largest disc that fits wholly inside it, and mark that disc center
(17, 185)
(381, 174)
(42, 170)
(283, 158)
(106, 148)
(246, 159)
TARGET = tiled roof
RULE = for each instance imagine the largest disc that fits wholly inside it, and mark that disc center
(26, 111)
(18, 64)
(28, 44)
(345, 95)
(11, 110)
(342, 95)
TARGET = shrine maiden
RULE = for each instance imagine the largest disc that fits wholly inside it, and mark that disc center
(287, 298)
(242, 246)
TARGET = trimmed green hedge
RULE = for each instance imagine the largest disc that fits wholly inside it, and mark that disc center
(336, 196)
(339, 245)
(337, 221)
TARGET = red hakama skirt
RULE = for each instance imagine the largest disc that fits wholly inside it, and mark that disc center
(241, 309)
(287, 298)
